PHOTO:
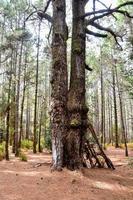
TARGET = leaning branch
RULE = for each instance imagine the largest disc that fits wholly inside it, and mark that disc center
(107, 30)
(95, 34)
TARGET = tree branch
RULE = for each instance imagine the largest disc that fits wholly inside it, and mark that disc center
(108, 11)
(107, 30)
(95, 34)
(41, 13)
(106, 7)
(87, 67)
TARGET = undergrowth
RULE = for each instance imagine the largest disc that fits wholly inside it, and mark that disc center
(2, 151)
(23, 157)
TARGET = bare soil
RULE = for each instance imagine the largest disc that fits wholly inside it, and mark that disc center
(32, 181)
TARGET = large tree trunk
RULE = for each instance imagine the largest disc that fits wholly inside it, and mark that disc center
(74, 141)
(58, 82)
(77, 110)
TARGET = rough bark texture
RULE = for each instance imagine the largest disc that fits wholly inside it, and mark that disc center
(69, 147)
(77, 110)
(58, 82)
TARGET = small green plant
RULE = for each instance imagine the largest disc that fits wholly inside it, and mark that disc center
(23, 157)
(130, 146)
(2, 151)
(1, 156)
(26, 144)
(48, 143)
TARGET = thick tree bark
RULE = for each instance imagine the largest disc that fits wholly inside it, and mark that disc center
(73, 143)
(77, 110)
(59, 83)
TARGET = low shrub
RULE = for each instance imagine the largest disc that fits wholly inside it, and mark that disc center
(26, 144)
(23, 157)
(130, 146)
(2, 151)
(2, 155)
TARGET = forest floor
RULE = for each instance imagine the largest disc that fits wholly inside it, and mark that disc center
(32, 181)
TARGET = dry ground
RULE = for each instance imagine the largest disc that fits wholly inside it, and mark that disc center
(28, 181)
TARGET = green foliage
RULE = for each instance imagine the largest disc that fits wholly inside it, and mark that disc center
(108, 145)
(23, 157)
(26, 144)
(48, 142)
(2, 151)
(130, 146)
(42, 144)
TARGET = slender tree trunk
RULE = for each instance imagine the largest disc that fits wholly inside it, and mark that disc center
(59, 83)
(109, 120)
(27, 116)
(96, 110)
(115, 109)
(13, 109)
(40, 130)
(17, 102)
(103, 139)
(22, 103)
(131, 106)
(8, 115)
(121, 113)
(36, 91)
